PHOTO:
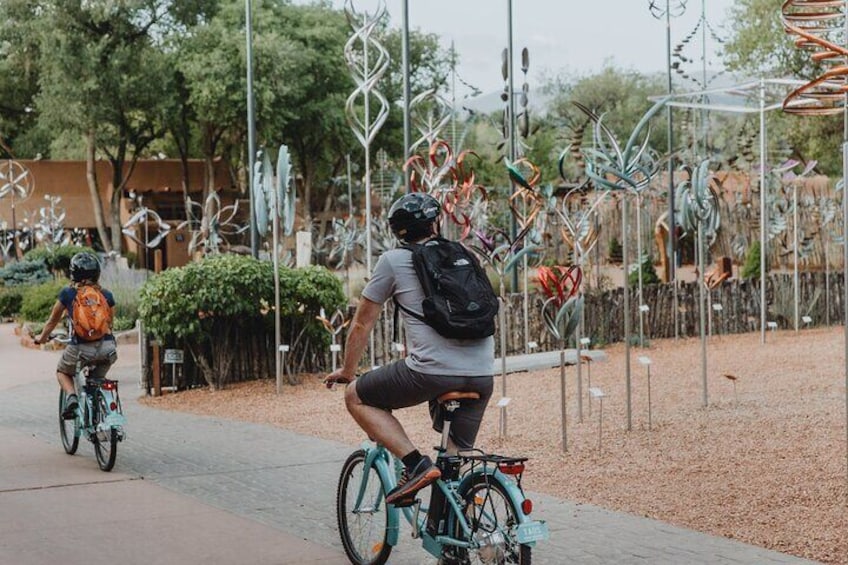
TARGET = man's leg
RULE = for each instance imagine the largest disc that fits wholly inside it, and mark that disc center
(379, 424)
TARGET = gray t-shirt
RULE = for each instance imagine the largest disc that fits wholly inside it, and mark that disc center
(429, 352)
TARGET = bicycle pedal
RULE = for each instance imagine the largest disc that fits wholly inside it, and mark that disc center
(406, 502)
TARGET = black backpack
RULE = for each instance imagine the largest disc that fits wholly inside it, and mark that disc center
(459, 301)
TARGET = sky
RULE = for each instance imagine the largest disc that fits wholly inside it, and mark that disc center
(573, 36)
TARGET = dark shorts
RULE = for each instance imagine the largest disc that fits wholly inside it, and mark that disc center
(103, 353)
(396, 386)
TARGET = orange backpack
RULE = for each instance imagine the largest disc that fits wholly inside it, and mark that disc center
(92, 315)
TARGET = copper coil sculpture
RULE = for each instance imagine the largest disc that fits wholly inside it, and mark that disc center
(817, 25)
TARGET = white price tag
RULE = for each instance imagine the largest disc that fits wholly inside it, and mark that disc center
(585, 341)
(806, 319)
(335, 347)
(503, 401)
(596, 392)
(284, 349)
(173, 356)
(399, 347)
(718, 307)
(645, 360)
(644, 308)
(771, 325)
(532, 345)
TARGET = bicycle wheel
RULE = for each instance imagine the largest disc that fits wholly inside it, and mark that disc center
(492, 516)
(106, 442)
(67, 428)
(364, 529)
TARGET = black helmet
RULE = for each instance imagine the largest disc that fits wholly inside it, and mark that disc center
(412, 216)
(85, 267)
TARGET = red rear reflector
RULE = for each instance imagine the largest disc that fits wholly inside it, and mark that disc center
(113, 406)
(527, 506)
(110, 385)
(511, 468)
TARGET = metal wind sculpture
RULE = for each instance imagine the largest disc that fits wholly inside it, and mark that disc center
(624, 169)
(274, 199)
(211, 224)
(430, 112)
(50, 223)
(504, 252)
(368, 61)
(142, 219)
(562, 311)
(821, 31)
(451, 180)
(698, 209)
(579, 228)
(16, 183)
(334, 325)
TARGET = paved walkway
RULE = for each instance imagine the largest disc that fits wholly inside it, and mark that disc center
(191, 489)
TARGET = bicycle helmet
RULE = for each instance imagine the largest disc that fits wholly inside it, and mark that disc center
(85, 267)
(412, 216)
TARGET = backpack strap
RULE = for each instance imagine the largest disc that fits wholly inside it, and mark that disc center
(411, 247)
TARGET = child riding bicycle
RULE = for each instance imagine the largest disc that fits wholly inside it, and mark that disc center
(90, 311)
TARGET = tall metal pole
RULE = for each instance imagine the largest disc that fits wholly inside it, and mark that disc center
(796, 291)
(845, 235)
(763, 219)
(251, 126)
(625, 259)
(407, 137)
(672, 223)
(511, 118)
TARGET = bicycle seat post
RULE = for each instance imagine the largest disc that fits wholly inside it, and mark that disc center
(450, 401)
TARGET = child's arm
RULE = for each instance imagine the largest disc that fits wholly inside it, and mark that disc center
(52, 322)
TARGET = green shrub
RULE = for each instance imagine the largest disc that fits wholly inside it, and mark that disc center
(751, 268)
(121, 324)
(10, 302)
(57, 259)
(25, 273)
(649, 273)
(220, 308)
(38, 300)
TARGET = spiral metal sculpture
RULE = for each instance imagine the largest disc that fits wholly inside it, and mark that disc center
(698, 203)
(50, 223)
(661, 9)
(819, 26)
(140, 221)
(430, 112)
(366, 70)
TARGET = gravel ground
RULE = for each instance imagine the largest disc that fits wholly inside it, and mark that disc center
(764, 463)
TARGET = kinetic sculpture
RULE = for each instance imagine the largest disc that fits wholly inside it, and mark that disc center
(17, 183)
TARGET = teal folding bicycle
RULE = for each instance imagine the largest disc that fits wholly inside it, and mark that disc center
(477, 511)
(99, 416)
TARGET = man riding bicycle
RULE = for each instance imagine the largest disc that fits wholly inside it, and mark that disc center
(97, 344)
(434, 364)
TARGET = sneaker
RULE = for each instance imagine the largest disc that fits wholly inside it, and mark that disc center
(71, 405)
(412, 481)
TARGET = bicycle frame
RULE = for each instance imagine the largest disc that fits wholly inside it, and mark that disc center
(380, 459)
(108, 389)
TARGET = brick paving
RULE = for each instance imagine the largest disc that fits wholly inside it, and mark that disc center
(263, 477)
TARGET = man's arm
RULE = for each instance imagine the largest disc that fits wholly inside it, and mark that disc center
(367, 313)
(52, 322)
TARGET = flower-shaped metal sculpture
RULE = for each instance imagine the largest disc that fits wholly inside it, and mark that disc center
(564, 303)
(612, 166)
(334, 325)
(16, 181)
(501, 252)
(344, 241)
(211, 224)
(50, 223)
(137, 228)
(451, 180)
(527, 201)
(660, 9)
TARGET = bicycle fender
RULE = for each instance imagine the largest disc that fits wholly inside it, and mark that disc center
(512, 490)
(380, 460)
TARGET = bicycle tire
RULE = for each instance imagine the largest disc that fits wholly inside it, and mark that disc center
(105, 454)
(67, 428)
(488, 509)
(362, 543)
